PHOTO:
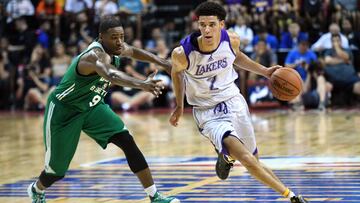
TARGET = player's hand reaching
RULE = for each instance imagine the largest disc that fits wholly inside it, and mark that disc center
(175, 116)
(153, 86)
(269, 71)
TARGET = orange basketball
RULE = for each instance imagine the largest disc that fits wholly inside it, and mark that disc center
(285, 84)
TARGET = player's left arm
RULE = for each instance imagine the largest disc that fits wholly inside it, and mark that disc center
(143, 55)
(244, 62)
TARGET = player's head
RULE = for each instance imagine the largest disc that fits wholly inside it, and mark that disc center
(111, 34)
(303, 45)
(211, 19)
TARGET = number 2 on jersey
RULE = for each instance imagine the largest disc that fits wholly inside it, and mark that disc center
(95, 100)
(212, 81)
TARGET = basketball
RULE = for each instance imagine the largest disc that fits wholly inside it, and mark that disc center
(285, 84)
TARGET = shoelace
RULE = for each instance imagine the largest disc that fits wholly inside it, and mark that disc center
(39, 196)
(159, 196)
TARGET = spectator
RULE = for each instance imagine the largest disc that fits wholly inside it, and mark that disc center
(50, 10)
(75, 6)
(2, 18)
(290, 39)
(171, 34)
(4, 83)
(156, 34)
(314, 18)
(282, 14)
(36, 80)
(347, 9)
(127, 98)
(130, 6)
(261, 6)
(264, 55)
(43, 35)
(85, 30)
(260, 10)
(325, 40)
(267, 37)
(19, 8)
(300, 58)
(105, 7)
(167, 98)
(245, 33)
(350, 34)
(131, 10)
(21, 42)
(339, 70)
(316, 90)
(129, 34)
(59, 63)
(257, 88)
(283, 6)
(8, 69)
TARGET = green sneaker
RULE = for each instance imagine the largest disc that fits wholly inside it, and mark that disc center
(36, 197)
(159, 198)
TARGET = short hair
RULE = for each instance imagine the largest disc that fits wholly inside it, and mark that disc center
(209, 8)
(108, 22)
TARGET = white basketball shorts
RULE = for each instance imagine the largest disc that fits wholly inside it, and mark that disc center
(230, 117)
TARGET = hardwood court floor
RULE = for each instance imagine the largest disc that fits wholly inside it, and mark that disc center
(315, 153)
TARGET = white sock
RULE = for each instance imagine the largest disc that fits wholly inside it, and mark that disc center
(290, 195)
(150, 191)
(37, 189)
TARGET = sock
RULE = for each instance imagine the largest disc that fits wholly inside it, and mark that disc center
(150, 191)
(37, 189)
(288, 193)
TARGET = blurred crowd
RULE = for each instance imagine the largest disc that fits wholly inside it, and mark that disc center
(318, 38)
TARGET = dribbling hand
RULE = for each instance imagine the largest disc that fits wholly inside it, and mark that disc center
(271, 70)
(153, 86)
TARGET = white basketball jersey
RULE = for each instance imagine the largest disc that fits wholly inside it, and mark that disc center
(209, 77)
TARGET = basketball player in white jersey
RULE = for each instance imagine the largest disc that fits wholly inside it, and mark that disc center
(203, 69)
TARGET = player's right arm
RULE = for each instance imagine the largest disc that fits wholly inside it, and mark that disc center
(98, 62)
(179, 64)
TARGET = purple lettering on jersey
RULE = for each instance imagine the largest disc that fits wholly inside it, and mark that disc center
(201, 69)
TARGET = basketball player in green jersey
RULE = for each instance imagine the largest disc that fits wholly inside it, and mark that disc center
(77, 104)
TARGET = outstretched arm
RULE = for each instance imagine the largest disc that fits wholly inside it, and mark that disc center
(244, 62)
(179, 62)
(142, 55)
(97, 61)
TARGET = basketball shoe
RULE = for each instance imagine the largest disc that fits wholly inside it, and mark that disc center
(36, 197)
(298, 199)
(223, 165)
(159, 198)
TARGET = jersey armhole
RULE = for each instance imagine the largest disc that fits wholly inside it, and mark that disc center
(227, 38)
(78, 60)
(187, 58)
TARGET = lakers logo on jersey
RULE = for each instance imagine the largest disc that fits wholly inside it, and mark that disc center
(201, 69)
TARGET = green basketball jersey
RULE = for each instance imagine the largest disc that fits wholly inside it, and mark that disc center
(82, 92)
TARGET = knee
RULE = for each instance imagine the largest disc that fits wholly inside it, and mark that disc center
(321, 80)
(133, 154)
(32, 94)
(356, 88)
(48, 179)
(123, 140)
